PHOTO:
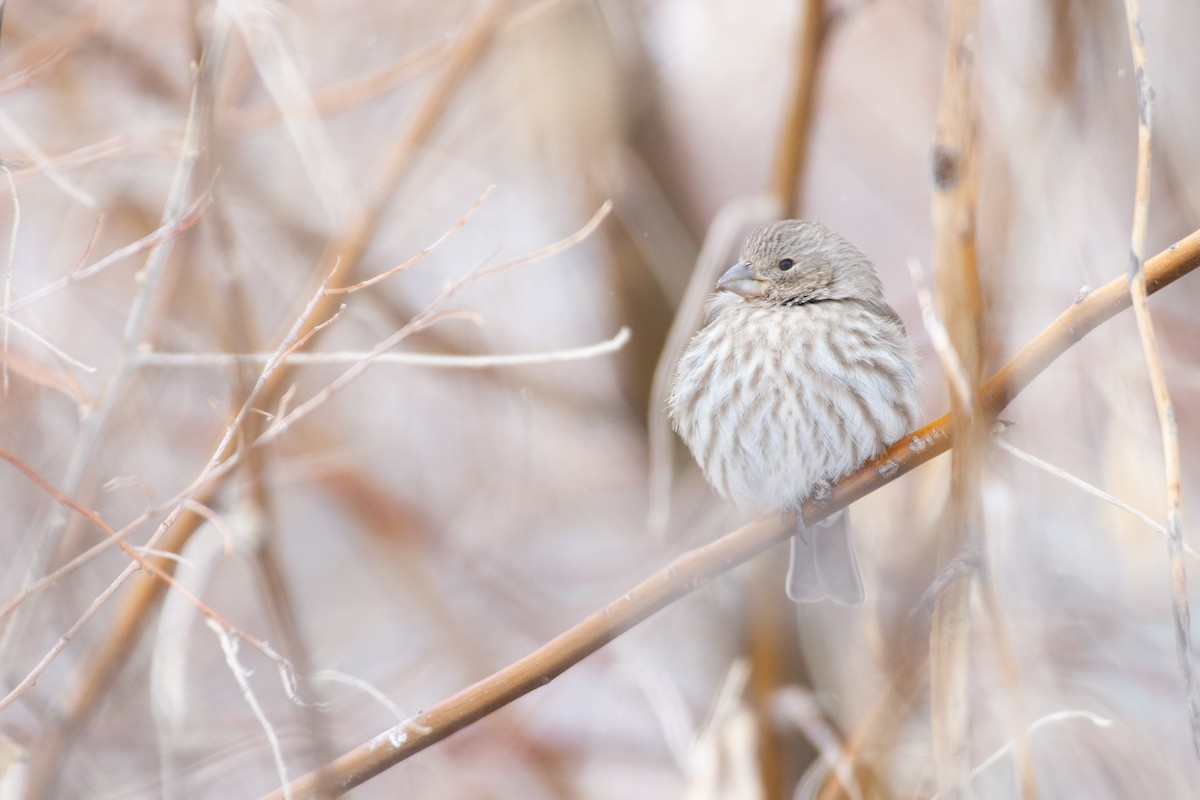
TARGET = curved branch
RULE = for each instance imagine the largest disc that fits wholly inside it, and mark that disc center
(697, 567)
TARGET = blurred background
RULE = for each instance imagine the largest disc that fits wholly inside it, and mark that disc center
(423, 526)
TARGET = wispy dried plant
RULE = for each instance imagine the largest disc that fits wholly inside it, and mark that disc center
(332, 345)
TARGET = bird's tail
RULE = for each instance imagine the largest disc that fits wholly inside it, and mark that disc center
(823, 564)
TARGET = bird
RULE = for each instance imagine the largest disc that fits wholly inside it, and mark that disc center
(801, 374)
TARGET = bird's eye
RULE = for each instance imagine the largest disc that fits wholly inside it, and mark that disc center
(786, 264)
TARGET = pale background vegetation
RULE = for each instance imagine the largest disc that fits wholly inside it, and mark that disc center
(425, 527)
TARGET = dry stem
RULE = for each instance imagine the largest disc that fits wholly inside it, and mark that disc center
(960, 305)
(787, 174)
(1158, 379)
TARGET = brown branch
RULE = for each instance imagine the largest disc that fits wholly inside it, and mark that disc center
(1158, 379)
(358, 90)
(695, 568)
(42, 57)
(787, 174)
(960, 305)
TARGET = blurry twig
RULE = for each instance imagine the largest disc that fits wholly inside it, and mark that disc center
(58, 351)
(799, 708)
(22, 141)
(1058, 472)
(9, 257)
(46, 55)
(952, 365)
(1158, 379)
(169, 229)
(240, 675)
(276, 66)
(788, 168)
(410, 359)
(549, 250)
(335, 676)
(214, 519)
(697, 567)
(730, 225)
(344, 95)
(163, 141)
(424, 251)
(720, 761)
(1040, 722)
(960, 306)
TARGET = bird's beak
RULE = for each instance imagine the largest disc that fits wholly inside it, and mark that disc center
(740, 279)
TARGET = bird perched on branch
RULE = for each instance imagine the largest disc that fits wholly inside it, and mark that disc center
(802, 373)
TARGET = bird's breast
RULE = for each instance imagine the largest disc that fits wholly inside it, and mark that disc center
(773, 401)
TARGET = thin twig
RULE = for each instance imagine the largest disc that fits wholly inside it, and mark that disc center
(462, 221)
(336, 676)
(37, 337)
(9, 258)
(605, 347)
(802, 710)
(1040, 722)
(952, 365)
(1158, 380)
(549, 250)
(1078, 482)
(787, 173)
(149, 565)
(215, 520)
(697, 567)
(169, 229)
(960, 305)
(240, 674)
(22, 141)
(276, 67)
(42, 58)
(51, 578)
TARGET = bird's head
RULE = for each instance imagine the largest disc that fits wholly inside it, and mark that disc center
(795, 261)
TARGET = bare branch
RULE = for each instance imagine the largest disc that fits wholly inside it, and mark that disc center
(18, 136)
(171, 228)
(1076, 481)
(240, 675)
(463, 220)
(1158, 378)
(9, 257)
(549, 250)
(605, 347)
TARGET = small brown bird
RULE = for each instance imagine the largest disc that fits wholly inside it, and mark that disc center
(802, 373)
